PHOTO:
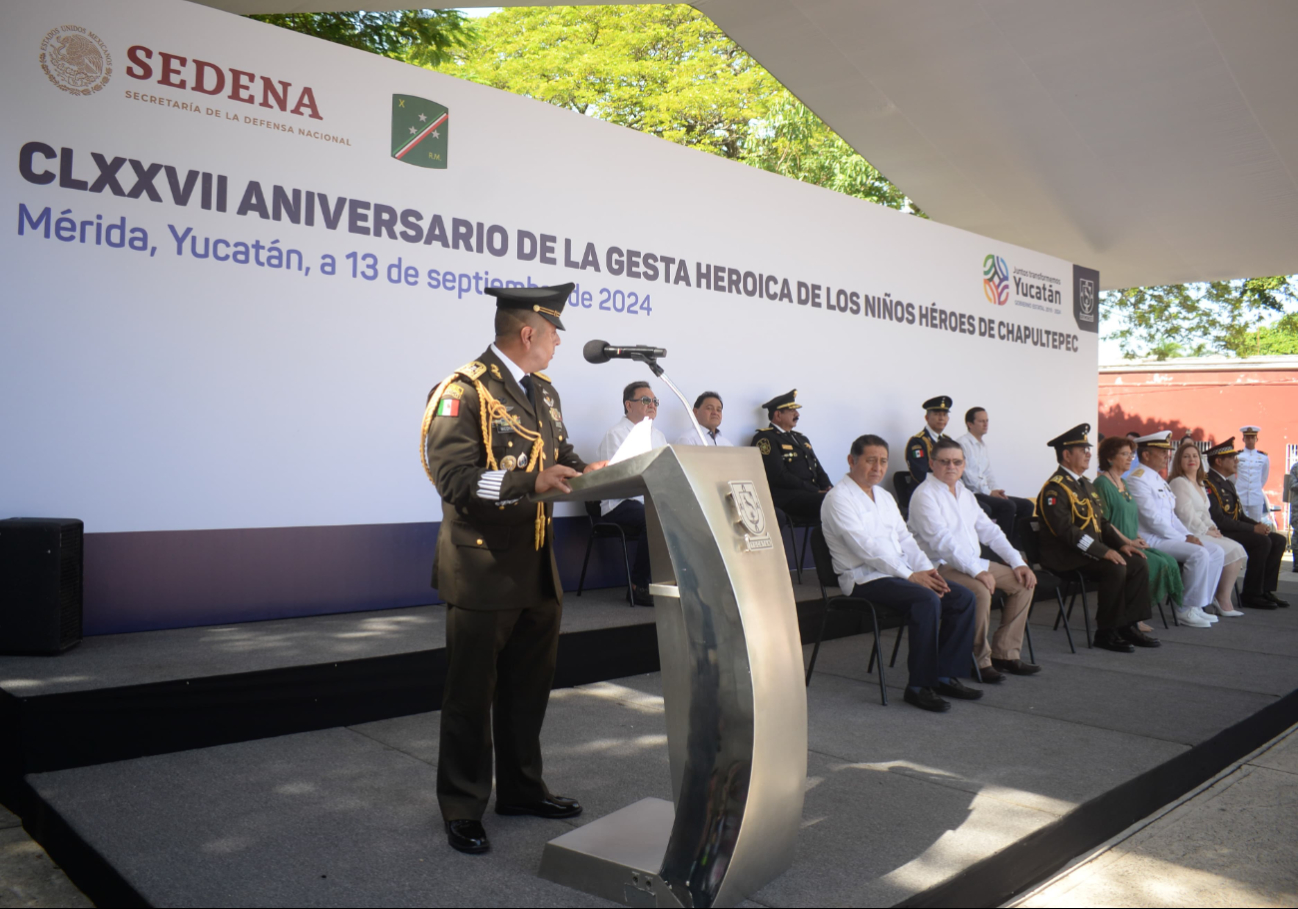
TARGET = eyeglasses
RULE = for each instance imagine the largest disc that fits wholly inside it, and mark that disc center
(646, 401)
(949, 462)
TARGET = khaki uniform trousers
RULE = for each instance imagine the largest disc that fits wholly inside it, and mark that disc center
(1007, 642)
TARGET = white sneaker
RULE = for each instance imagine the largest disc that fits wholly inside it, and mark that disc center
(1193, 618)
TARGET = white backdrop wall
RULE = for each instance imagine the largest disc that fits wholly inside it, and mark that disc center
(151, 390)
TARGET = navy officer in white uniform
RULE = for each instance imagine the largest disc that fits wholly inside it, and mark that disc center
(707, 410)
(1162, 529)
(1253, 468)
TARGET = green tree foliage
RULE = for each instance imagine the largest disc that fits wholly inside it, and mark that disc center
(422, 36)
(668, 71)
(1227, 317)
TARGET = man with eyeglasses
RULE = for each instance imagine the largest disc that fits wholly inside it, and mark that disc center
(638, 403)
(798, 482)
(950, 526)
(707, 410)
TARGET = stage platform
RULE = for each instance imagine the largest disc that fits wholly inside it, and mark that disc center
(903, 807)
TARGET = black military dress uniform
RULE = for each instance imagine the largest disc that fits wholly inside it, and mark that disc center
(1265, 551)
(1075, 537)
(485, 438)
(793, 471)
(919, 447)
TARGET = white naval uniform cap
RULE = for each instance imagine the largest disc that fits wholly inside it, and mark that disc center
(1250, 430)
(1156, 439)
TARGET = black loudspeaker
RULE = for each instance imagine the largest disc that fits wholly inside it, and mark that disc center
(40, 584)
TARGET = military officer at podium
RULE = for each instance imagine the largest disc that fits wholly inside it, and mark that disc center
(1254, 470)
(1265, 549)
(1076, 537)
(493, 437)
(798, 482)
(919, 447)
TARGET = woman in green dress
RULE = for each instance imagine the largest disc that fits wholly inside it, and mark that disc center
(1116, 453)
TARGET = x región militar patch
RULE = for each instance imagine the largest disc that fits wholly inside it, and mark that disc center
(419, 134)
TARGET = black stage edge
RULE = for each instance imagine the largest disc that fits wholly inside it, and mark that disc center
(997, 879)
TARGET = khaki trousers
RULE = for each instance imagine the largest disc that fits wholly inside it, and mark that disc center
(1006, 643)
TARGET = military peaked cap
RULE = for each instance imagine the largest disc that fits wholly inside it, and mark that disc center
(1250, 430)
(1074, 436)
(1160, 439)
(941, 402)
(782, 402)
(1222, 449)
(548, 302)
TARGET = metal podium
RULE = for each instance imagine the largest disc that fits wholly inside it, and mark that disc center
(733, 687)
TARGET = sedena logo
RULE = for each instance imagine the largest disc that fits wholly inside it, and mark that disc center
(419, 131)
(76, 60)
(996, 280)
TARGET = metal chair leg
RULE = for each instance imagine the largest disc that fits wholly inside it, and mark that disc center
(1068, 631)
(590, 543)
(626, 560)
(978, 673)
(1086, 616)
(802, 554)
(1162, 615)
(820, 636)
(874, 652)
(1027, 633)
(901, 630)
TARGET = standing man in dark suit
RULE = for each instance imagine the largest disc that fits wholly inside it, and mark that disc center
(494, 436)
(798, 482)
(1265, 549)
(919, 447)
(1076, 537)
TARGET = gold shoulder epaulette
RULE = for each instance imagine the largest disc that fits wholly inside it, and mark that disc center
(543, 377)
(472, 370)
(1138, 472)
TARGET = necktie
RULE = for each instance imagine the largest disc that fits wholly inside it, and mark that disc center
(527, 387)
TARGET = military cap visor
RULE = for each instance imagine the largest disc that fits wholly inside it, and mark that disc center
(1222, 449)
(1160, 440)
(1075, 436)
(941, 402)
(782, 402)
(547, 302)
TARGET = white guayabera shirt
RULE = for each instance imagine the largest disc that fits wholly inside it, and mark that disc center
(867, 538)
(953, 528)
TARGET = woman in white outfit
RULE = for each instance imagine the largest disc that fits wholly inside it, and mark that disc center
(1186, 478)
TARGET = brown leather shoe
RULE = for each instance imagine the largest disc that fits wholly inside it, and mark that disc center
(988, 675)
(1016, 667)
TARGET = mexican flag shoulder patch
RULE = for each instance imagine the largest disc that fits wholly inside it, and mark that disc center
(448, 407)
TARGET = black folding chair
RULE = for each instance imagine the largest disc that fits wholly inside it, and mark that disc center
(825, 575)
(603, 530)
(1029, 530)
(904, 485)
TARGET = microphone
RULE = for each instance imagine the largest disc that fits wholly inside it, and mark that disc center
(602, 352)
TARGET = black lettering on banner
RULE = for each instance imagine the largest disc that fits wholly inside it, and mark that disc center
(27, 163)
(614, 261)
(547, 249)
(461, 234)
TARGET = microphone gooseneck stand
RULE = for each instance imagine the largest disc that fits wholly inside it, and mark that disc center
(652, 363)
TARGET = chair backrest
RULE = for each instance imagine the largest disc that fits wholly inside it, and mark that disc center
(824, 561)
(592, 510)
(1028, 533)
(904, 485)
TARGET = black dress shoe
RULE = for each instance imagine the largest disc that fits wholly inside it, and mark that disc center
(925, 699)
(555, 806)
(641, 597)
(958, 690)
(1133, 635)
(1283, 604)
(1109, 639)
(467, 836)
(1016, 667)
(1257, 601)
(988, 675)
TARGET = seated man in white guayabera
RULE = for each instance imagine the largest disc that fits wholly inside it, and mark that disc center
(638, 403)
(877, 559)
(1160, 527)
(952, 528)
(707, 410)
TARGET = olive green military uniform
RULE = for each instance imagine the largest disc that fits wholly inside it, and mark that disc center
(1075, 536)
(485, 441)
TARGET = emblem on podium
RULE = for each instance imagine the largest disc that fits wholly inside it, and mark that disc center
(748, 512)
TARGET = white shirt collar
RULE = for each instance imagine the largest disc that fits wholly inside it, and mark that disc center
(932, 435)
(1075, 476)
(514, 369)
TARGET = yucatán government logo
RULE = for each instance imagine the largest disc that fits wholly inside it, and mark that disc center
(76, 59)
(419, 131)
(748, 512)
(996, 280)
(1086, 299)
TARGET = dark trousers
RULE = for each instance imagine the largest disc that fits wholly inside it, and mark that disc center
(1006, 512)
(1265, 552)
(802, 507)
(1123, 596)
(629, 515)
(499, 669)
(941, 628)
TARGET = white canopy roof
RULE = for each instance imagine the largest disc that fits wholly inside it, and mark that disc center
(1156, 141)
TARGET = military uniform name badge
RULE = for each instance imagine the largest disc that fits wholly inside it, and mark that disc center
(749, 514)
